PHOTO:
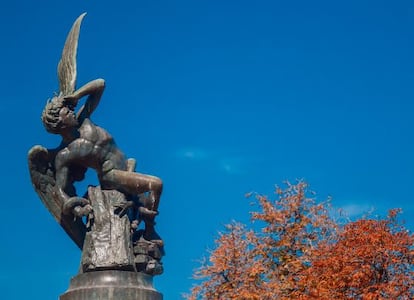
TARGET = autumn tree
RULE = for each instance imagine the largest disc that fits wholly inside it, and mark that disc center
(371, 259)
(265, 264)
(232, 271)
(291, 226)
(299, 252)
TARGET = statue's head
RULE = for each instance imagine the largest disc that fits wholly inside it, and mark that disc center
(59, 115)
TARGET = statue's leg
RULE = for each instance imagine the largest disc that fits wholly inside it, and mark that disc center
(134, 184)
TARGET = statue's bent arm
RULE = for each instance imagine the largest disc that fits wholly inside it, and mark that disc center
(95, 90)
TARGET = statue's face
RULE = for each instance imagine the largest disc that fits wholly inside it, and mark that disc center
(68, 118)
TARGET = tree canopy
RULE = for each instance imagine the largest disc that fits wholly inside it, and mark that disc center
(297, 250)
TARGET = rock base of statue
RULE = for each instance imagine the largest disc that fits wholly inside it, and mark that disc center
(111, 285)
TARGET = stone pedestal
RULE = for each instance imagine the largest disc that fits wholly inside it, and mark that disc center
(111, 285)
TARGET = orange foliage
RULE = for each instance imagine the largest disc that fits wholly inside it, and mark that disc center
(372, 259)
(301, 253)
(293, 225)
(232, 272)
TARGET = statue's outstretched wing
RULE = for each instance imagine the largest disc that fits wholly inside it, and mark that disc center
(67, 64)
(42, 173)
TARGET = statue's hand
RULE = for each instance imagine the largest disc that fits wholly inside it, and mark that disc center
(76, 205)
(80, 211)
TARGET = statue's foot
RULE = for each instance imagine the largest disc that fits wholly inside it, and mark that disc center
(152, 236)
(159, 243)
(147, 212)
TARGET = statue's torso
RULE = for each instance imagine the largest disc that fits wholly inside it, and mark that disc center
(98, 147)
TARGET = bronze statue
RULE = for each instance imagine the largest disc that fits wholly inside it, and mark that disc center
(123, 194)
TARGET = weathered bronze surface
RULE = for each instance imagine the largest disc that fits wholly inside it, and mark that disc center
(105, 222)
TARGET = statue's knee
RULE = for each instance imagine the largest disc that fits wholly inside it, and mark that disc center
(156, 184)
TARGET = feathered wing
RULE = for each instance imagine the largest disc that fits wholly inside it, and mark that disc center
(42, 173)
(67, 64)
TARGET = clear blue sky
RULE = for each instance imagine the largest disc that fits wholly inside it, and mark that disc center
(218, 98)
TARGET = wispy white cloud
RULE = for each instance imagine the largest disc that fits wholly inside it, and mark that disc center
(192, 153)
(233, 165)
(222, 160)
(353, 210)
